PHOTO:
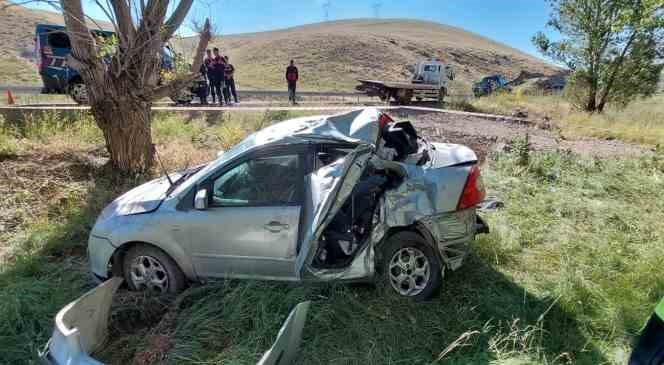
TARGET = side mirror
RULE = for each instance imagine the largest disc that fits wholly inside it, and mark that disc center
(201, 201)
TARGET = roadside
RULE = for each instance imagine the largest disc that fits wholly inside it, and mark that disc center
(640, 122)
(486, 136)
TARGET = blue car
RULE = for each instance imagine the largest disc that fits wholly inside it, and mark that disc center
(52, 46)
(490, 84)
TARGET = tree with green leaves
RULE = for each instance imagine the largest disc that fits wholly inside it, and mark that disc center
(615, 48)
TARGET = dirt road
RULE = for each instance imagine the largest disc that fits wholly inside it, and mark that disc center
(484, 135)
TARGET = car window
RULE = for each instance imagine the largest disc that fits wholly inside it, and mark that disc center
(58, 40)
(329, 155)
(260, 181)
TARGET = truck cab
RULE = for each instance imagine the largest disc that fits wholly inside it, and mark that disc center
(432, 72)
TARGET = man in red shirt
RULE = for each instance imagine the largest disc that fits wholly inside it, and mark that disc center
(291, 77)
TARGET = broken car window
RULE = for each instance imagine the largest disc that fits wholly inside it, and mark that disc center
(329, 155)
(261, 181)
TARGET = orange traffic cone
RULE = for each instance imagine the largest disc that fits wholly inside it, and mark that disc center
(10, 98)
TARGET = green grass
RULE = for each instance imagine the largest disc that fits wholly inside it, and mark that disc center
(569, 273)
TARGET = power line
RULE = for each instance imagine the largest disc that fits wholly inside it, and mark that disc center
(376, 8)
(326, 9)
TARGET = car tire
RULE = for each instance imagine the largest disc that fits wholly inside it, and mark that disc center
(409, 267)
(78, 92)
(147, 267)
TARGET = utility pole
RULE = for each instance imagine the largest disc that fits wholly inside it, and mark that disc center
(326, 9)
(376, 8)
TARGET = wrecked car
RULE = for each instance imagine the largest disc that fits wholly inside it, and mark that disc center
(349, 197)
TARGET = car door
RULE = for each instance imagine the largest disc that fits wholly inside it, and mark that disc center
(251, 225)
(328, 188)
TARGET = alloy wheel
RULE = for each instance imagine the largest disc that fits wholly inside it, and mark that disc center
(409, 271)
(148, 273)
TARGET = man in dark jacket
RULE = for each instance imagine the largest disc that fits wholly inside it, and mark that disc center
(291, 77)
(216, 75)
(207, 64)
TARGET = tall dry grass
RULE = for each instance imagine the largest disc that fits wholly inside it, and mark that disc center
(642, 121)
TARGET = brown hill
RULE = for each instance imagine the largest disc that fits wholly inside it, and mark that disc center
(330, 55)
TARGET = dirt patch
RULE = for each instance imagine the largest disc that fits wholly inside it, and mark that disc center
(32, 180)
(484, 136)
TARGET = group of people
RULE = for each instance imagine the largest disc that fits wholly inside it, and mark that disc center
(217, 80)
(219, 74)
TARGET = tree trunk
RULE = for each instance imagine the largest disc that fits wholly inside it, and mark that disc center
(126, 127)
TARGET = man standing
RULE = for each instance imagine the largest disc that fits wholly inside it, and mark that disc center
(291, 77)
(216, 75)
(230, 80)
(207, 64)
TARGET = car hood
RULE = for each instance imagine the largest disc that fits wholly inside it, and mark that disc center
(144, 198)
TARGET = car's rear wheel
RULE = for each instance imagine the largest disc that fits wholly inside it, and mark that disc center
(79, 93)
(409, 267)
(149, 268)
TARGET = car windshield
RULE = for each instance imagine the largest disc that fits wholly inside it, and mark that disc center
(246, 144)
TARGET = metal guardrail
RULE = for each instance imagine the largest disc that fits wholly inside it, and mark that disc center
(37, 89)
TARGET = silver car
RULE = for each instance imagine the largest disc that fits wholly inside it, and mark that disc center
(352, 197)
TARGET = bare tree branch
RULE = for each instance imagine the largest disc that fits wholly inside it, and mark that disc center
(183, 81)
(176, 19)
(126, 30)
(82, 42)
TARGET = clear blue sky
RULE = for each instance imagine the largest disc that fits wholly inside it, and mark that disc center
(509, 21)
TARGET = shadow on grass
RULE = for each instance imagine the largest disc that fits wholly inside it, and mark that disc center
(481, 317)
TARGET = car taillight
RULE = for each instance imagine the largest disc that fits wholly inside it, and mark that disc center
(473, 192)
(384, 119)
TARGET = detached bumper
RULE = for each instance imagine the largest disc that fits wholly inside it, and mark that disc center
(80, 327)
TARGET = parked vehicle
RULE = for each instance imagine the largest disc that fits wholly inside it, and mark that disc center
(491, 84)
(430, 81)
(351, 197)
(81, 327)
(52, 46)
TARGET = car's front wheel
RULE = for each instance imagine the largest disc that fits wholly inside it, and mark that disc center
(149, 268)
(410, 268)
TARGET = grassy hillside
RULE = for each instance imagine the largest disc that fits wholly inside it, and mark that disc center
(331, 55)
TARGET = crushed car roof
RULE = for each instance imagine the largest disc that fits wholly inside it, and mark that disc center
(357, 126)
